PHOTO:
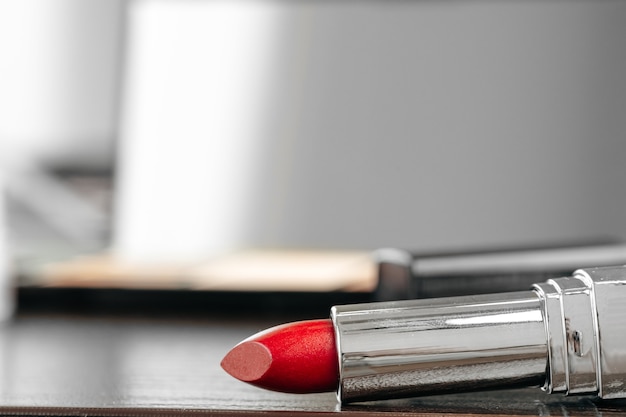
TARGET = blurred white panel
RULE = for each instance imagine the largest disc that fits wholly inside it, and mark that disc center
(193, 113)
(59, 63)
(7, 286)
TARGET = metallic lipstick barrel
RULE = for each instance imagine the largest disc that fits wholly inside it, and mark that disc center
(567, 335)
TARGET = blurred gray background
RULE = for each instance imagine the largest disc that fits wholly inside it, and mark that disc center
(419, 124)
(430, 124)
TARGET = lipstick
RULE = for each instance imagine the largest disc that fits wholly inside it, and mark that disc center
(567, 335)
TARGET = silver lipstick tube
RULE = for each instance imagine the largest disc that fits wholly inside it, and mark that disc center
(567, 335)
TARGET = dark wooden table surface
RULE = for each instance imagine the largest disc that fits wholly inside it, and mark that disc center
(60, 365)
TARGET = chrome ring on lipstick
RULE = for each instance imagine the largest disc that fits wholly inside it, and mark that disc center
(567, 335)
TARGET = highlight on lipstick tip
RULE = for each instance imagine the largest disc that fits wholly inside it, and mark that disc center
(298, 357)
(248, 361)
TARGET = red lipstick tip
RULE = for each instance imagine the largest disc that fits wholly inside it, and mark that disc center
(248, 361)
(297, 357)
